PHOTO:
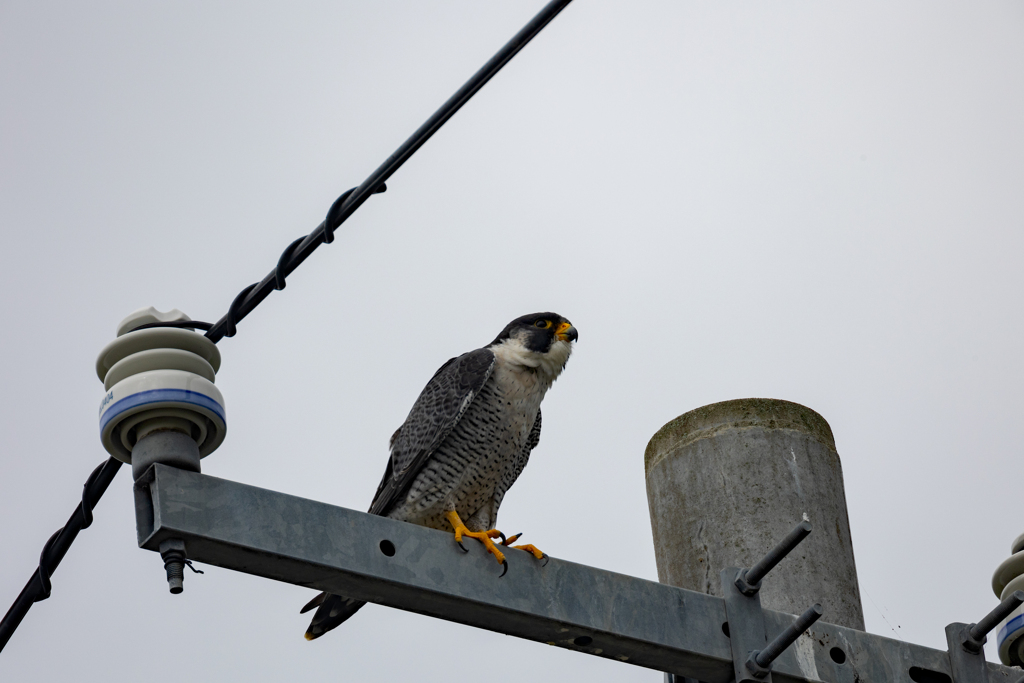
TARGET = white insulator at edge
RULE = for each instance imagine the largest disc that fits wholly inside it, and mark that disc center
(1009, 577)
(159, 379)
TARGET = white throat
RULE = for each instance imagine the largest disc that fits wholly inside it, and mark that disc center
(548, 365)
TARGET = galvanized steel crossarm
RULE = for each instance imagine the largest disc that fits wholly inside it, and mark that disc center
(592, 611)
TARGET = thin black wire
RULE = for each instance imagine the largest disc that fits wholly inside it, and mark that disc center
(187, 324)
(38, 587)
(347, 203)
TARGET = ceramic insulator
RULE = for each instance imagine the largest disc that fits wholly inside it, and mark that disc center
(1009, 577)
(160, 378)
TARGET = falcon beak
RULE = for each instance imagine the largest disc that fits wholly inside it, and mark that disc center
(566, 332)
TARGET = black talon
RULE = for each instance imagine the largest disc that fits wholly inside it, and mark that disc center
(504, 563)
(512, 539)
(462, 546)
(503, 541)
(544, 556)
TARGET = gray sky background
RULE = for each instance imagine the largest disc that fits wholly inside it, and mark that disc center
(819, 202)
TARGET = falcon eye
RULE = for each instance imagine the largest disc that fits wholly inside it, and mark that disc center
(542, 324)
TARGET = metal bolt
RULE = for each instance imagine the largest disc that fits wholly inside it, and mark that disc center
(760, 661)
(175, 575)
(173, 553)
(974, 636)
(749, 580)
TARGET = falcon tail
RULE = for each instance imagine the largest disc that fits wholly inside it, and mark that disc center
(332, 611)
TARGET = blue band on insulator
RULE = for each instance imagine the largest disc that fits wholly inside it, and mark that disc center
(162, 396)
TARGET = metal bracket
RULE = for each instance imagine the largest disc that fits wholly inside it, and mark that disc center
(967, 641)
(752, 657)
(745, 627)
(965, 665)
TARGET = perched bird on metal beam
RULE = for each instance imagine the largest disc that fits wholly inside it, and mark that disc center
(465, 442)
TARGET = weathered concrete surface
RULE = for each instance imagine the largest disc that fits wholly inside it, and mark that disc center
(726, 482)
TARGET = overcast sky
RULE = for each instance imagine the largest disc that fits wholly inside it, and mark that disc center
(817, 202)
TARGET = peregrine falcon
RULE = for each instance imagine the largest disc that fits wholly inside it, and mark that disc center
(465, 442)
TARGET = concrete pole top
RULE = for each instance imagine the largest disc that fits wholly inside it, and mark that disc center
(768, 413)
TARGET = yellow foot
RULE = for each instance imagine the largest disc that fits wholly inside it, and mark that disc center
(529, 547)
(534, 550)
(482, 536)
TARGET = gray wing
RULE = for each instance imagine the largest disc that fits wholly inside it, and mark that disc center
(438, 409)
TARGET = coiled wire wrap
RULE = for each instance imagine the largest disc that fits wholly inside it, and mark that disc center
(294, 254)
(38, 587)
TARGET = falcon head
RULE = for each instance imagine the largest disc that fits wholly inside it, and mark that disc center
(542, 341)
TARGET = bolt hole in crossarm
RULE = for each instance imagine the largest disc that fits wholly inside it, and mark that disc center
(920, 675)
(837, 655)
(583, 641)
(387, 547)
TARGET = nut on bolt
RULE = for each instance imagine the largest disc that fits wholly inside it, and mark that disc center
(173, 553)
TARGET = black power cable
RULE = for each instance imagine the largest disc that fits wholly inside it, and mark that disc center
(347, 203)
(38, 587)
